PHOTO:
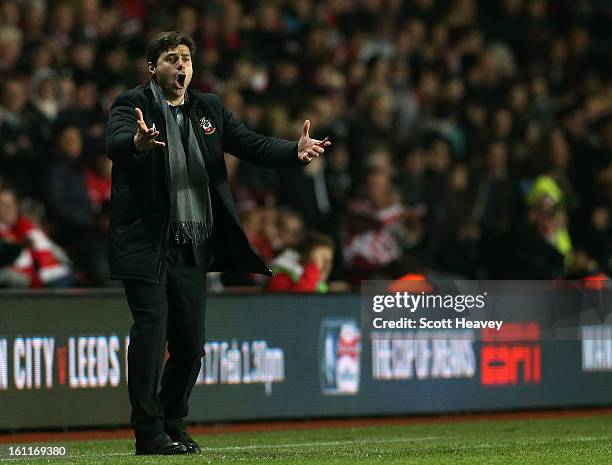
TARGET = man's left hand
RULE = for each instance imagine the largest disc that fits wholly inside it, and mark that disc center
(310, 148)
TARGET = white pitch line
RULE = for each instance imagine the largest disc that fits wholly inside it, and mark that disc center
(327, 443)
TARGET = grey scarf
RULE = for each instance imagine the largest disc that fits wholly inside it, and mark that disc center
(191, 208)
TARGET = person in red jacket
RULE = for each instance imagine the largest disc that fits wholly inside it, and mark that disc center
(306, 270)
(37, 261)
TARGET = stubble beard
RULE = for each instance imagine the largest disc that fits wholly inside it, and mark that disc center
(171, 92)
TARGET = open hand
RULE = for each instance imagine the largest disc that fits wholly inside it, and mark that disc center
(310, 148)
(144, 139)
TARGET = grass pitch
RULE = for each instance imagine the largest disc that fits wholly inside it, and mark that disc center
(585, 440)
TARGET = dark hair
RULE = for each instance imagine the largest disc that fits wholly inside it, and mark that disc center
(167, 41)
(312, 240)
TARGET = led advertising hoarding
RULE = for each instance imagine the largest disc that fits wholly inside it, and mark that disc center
(63, 361)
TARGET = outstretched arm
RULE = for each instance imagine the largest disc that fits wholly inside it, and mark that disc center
(271, 152)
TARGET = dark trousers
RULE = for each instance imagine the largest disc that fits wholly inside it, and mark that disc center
(171, 312)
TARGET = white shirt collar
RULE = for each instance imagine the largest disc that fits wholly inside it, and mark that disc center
(179, 105)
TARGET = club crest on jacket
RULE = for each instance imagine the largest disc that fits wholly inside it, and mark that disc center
(207, 126)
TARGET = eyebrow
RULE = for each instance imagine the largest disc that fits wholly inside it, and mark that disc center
(185, 54)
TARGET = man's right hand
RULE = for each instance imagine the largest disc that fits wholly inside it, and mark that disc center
(144, 139)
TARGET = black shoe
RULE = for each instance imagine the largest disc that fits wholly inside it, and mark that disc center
(161, 444)
(184, 438)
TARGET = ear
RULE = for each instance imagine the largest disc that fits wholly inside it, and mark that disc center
(151, 67)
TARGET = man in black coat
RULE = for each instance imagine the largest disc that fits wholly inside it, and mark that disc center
(172, 219)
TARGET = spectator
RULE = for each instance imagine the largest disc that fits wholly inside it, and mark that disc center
(599, 237)
(540, 244)
(376, 232)
(548, 211)
(306, 270)
(497, 194)
(19, 156)
(290, 230)
(306, 191)
(411, 179)
(69, 205)
(29, 258)
(70, 211)
(98, 180)
(11, 42)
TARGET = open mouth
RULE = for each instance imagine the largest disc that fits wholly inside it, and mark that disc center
(180, 80)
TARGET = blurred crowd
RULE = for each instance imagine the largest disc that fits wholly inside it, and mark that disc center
(471, 138)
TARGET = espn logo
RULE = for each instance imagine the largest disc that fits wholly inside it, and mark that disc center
(511, 355)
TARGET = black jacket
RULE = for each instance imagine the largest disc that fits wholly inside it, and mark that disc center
(140, 199)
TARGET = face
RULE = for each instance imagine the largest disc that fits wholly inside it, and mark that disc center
(15, 96)
(8, 208)
(323, 257)
(600, 218)
(71, 143)
(290, 231)
(378, 188)
(173, 71)
(497, 157)
(459, 177)
(415, 163)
